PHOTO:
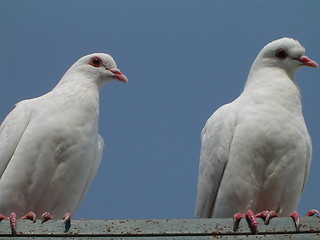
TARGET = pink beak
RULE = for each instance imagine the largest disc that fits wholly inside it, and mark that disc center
(307, 61)
(118, 74)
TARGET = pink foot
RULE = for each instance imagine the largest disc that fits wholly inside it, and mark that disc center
(236, 220)
(312, 212)
(46, 217)
(2, 217)
(251, 219)
(31, 216)
(267, 215)
(13, 223)
(296, 219)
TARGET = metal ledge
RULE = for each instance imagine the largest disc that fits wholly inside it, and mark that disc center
(278, 228)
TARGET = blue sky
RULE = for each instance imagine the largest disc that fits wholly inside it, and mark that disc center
(183, 59)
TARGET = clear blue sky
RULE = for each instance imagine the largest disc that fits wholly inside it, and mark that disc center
(183, 59)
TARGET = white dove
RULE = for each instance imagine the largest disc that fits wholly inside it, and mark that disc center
(50, 149)
(256, 151)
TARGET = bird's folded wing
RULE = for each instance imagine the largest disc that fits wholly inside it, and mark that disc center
(216, 138)
(94, 168)
(11, 131)
(308, 162)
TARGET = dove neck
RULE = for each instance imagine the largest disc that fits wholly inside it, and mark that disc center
(273, 84)
(272, 78)
(79, 89)
(80, 78)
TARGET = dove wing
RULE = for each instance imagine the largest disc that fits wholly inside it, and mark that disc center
(94, 168)
(216, 138)
(11, 131)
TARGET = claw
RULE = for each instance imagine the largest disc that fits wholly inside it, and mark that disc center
(66, 217)
(296, 219)
(236, 220)
(262, 215)
(31, 216)
(67, 221)
(46, 217)
(267, 215)
(270, 215)
(13, 223)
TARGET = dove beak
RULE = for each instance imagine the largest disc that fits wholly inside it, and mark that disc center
(307, 61)
(118, 74)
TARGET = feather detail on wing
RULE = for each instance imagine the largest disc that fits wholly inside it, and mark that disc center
(11, 131)
(308, 162)
(216, 138)
(94, 168)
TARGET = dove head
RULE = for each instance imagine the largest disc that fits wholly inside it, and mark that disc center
(284, 53)
(97, 68)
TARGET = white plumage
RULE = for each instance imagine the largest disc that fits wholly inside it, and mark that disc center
(50, 148)
(256, 151)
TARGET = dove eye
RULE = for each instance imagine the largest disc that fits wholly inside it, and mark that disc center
(281, 54)
(96, 61)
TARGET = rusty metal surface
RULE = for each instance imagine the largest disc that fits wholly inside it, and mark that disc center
(278, 228)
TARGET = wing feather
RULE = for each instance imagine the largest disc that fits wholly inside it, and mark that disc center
(216, 138)
(94, 168)
(11, 131)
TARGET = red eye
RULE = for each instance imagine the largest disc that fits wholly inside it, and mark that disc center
(96, 61)
(281, 53)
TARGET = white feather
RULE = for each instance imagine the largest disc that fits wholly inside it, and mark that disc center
(256, 151)
(50, 148)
